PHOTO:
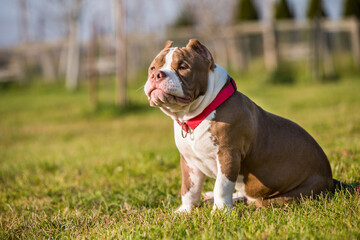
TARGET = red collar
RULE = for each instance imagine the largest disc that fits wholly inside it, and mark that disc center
(222, 96)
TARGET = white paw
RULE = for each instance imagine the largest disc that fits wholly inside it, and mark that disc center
(236, 197)
(209, 198)
(184, 209)
(209, 195)
(222, 206)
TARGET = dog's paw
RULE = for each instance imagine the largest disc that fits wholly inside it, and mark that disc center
(184, 209)
(209, 198)
(236, 198)
(221, 207)
(223, 204)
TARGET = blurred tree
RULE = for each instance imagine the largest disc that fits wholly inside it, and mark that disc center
(282, 10)
(315, 9)
(24, 20)
(283, 74)
(246, 11)
(185, 19)
(92, 70)
(121, 52)
(73, 54)
(316, 12)
(207, 15)
(352, 8)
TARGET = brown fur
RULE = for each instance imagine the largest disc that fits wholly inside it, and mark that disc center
(278, 158)
(159, 61)
(168, 44)
(203, 51)
(186, 183)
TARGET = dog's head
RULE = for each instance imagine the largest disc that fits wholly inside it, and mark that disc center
(179, 76)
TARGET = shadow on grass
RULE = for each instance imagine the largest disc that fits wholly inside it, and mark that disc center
(345, 190)
(352, 187)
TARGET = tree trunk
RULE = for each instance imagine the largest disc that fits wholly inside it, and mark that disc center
(121, 64)
(92, 70)
(355, 41)
(73, 55)
(24, 20)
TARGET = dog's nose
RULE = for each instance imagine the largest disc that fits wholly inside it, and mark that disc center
(158, 76)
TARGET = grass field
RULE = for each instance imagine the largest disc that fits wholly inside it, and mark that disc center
(70, 171)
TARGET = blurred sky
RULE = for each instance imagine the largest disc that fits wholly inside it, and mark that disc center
(144, 16)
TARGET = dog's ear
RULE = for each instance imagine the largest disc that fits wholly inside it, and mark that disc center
(168, 44)
(202, 50)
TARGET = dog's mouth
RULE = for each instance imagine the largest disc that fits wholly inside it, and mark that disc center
(158, 97)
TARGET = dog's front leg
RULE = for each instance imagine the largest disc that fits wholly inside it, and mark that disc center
(191, 186)
(228, 167)
(223, 192)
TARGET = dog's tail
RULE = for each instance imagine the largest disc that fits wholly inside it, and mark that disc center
(355, 187)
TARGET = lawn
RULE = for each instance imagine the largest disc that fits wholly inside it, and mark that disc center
(70, 171)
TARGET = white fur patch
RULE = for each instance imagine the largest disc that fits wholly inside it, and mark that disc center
(192, 198)
(172, 83)
(168, 59)
(198, 148)
(223, 191)
(239, 195)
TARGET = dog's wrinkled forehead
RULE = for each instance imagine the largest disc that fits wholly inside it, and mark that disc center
(191, 55)
(160, 59)
(165, 60)
(171, 58)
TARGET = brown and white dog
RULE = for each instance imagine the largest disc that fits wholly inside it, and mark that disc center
(264, 157)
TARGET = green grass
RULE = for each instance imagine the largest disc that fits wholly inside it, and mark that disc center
(70, 171)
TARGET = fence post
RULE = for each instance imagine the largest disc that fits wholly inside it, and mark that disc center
(236, 56)
(328, 63)
(18, 63)
(316, 48)
(47, 65)
(270, 46)
(355, 40)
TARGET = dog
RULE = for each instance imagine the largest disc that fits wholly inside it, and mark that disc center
(222, 134)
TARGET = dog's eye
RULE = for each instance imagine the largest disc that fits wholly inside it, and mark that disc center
(182, 67)
(152, 68)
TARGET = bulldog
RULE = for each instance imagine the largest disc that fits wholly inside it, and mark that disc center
(222, 134)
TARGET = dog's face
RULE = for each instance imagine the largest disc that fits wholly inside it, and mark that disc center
(178, 76)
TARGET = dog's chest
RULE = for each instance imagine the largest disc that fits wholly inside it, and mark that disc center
(198, 148)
